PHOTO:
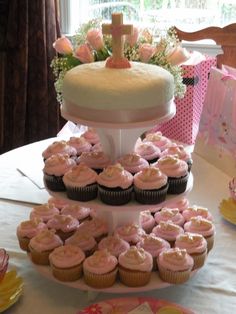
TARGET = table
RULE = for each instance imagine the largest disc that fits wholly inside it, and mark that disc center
(212, 290)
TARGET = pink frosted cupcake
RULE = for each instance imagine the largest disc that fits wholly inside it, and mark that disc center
(77, 211)
(26, 230)
(168, 231)
(81, 183)
(147, 221)
(97, 148)
(66, 262)
(44, 212)
(65, 225)
(148, 151)
(150, 186)
(169, 214)
(58, 202)
(54, 169)
(91, 136)
(133, 162)
(86, 242)
(114, 244)
(100, 269)
(115, 185)
(195, 211)
(96, 227)
(195, 245)
(202, 226)
(154, 245)
(177, 172)
(59, 147)
(135, 267)
(132, 233)
(80, 144)
(158, 140)
(175, 265)
(95, 160)
(41, 245)
(181, 204)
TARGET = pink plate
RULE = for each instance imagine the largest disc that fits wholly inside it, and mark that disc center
(128, 305)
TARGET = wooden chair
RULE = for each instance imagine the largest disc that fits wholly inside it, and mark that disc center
(224, 37)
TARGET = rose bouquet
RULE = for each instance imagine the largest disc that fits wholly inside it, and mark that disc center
(90, 45)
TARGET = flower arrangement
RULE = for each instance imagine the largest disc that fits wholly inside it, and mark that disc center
(90, 45)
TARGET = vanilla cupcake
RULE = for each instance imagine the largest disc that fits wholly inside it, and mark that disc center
(26, 230)
(202, 226)
(133, 162)
(81, 183)
(115, 185)
(85, 241)
(96, 227)
(44, 212)
(41, 245)
(159, 140)
(147, 221)
(175, 265)
(148, 151)
(177, 172)
(54, 169)
(168, 231)
(91, 136)
(195, 245)
(132, 233)
(150, 186)
(77, 211)
(96, 160)
(66, 262)
(65, 225)
(59, 147)
(135, 267)
(100, 269)
(80, 144)
(114, 244)
(58, 202)
(169, 214)
(195, 211)
(181, 203)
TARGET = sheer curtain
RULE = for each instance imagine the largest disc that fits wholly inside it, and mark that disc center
(29, 109)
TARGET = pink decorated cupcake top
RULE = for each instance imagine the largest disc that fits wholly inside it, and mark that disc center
(148, 150)
(91, 136)
(167, 230)
(181, 204)
(66, 256)
(147, 220)
(65, 223)
(101, 262)
(29, 228)
(115, 176)
(178, 150)
(171, 214)
(80, 144)
(95, 227)
(80, 176)
(133, 162)
(131, 233)
(57, 202)
(114, 244)
(83, 240)
(97, 148)
(58, 165)
(44, 211)
(150, 178)
(172, 166)
(192, 242)
(45, 240)
(136, 259)
(158, 140)
(59, 147)
(232, 188)
(153, 244)
(95, 159)
(77, 211)
(200, 225)
(175, 259)
(195, 211)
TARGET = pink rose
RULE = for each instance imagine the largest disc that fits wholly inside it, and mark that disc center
(63, 46)
(133, 38)
(95, 38)
(84, 54)
(146, 51)
(178, 55)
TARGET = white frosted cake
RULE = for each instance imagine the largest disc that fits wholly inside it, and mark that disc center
(94, 92)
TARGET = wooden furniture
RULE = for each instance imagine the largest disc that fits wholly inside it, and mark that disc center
(225, 37)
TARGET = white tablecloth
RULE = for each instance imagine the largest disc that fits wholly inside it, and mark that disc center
(211, 290)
